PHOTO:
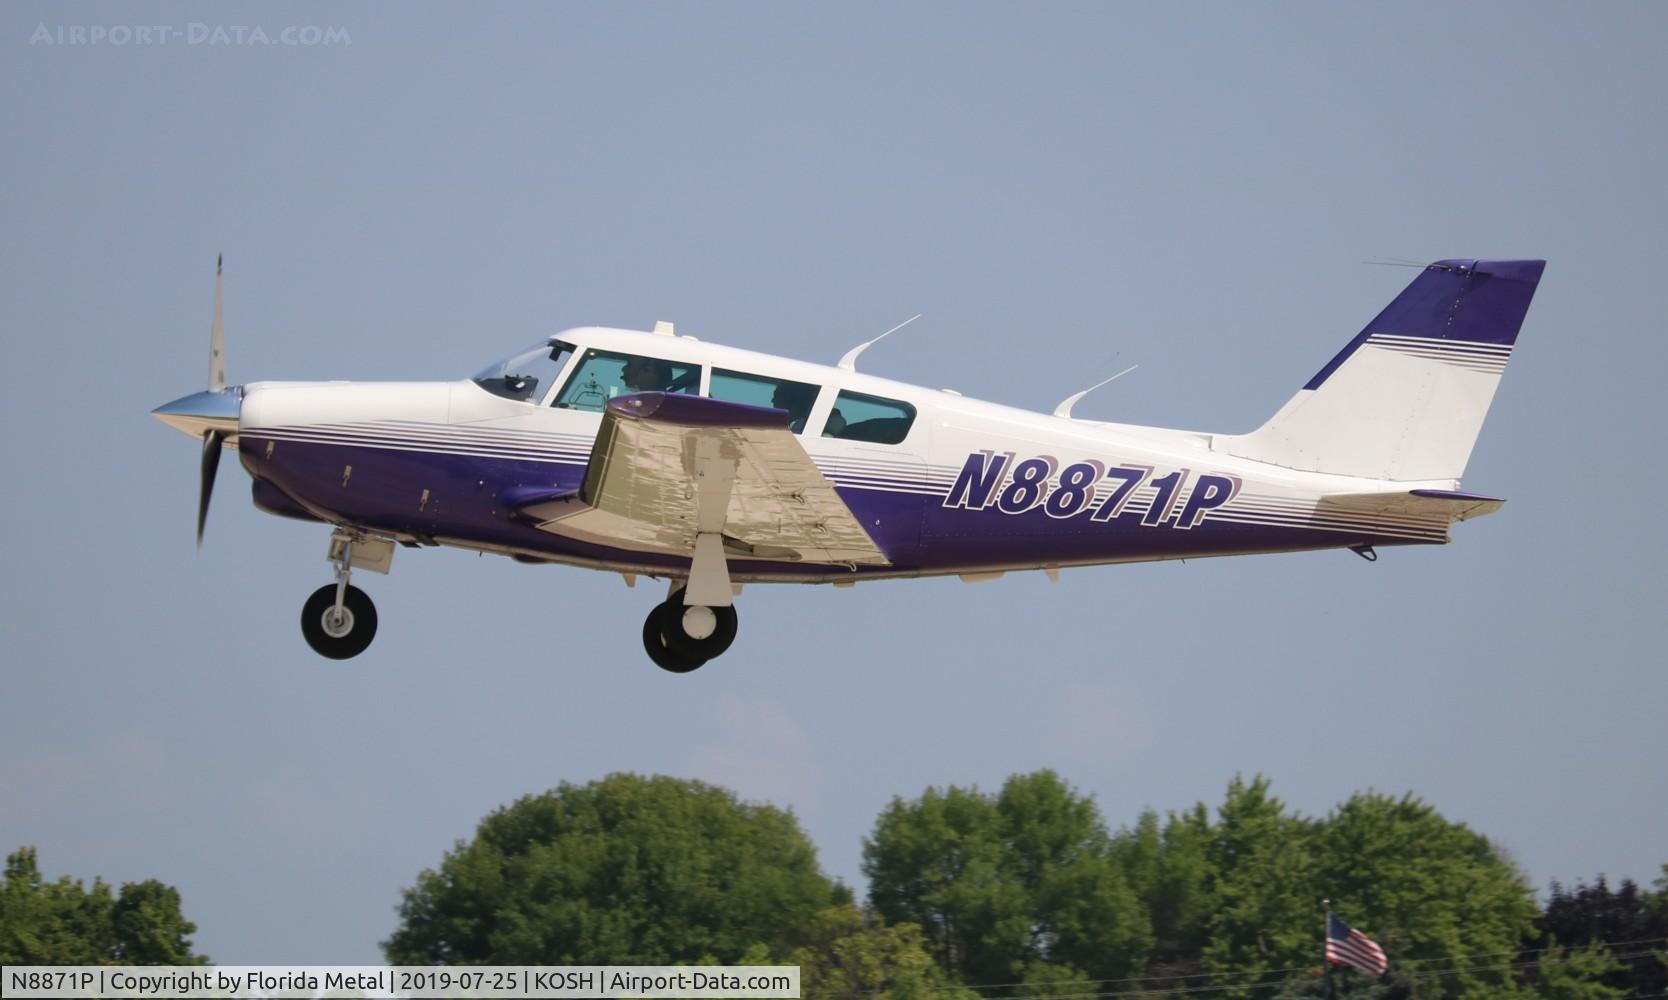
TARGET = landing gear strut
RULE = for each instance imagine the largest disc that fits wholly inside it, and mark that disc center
(696, 622)
(679, 638)
(339, 620)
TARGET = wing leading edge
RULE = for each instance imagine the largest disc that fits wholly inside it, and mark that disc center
(668, 468)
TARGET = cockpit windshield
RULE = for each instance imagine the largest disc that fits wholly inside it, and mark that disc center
(525, 375)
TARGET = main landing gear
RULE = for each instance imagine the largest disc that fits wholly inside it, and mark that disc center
(339, 620)
(679, 637)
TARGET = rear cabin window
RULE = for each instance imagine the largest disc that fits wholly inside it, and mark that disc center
(857, 417)
(602, 375)
(758, 390)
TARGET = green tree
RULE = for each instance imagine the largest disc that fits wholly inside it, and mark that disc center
(1428, 889)
(1432, 892)
(64, 923)
(852, 952)
(624, 871)
(1599, 914)
(1004, 883)
(1266, 913)
(149, 928)
(1057, 981)
(1169, 868)
(1577, 974)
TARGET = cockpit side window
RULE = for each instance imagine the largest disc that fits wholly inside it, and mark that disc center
(857, 417)
(602, 375)
(759, 390)
(525, 376)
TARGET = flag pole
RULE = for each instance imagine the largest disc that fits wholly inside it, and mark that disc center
(1326, 935)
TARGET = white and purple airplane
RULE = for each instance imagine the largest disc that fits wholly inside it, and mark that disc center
(651, 454)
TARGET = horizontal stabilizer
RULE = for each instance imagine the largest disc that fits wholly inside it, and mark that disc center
(1416, 507)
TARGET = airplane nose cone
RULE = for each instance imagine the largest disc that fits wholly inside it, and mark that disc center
(202, 412)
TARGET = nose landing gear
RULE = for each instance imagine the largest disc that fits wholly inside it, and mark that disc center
(680, 638)
(339, 620)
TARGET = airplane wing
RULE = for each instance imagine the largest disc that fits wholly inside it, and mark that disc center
(666, 467)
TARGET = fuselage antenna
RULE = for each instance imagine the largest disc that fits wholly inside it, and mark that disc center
(849, 362)
(1064, 409)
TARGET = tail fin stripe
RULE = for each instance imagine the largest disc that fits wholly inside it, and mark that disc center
(1465, 344)
(1456, 345)
(1482, 364)
(1493, 363)
(1436, 348)
(1438, 352)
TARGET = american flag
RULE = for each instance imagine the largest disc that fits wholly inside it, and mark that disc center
(1347, 946)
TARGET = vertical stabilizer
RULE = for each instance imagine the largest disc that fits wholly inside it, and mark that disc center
(1405, 399)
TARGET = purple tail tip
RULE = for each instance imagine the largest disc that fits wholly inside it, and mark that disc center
(1465, 301)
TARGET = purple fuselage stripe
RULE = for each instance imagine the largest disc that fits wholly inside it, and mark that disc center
(443, 495)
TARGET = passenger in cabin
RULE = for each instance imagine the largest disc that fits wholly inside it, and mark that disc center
(646, 374)
(797, 398)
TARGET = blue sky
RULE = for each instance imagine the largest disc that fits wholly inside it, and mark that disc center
(1063, 190)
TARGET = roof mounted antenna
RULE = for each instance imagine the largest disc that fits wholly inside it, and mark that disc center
(849, 362)
(1064, 409)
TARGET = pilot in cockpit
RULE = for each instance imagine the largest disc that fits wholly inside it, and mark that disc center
(646, 374)
(797, 399)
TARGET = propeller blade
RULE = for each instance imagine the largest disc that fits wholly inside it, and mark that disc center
(217, 337)
(211, 464)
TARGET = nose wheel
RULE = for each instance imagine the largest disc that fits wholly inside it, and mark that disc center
(339, 620)
(343, 632)
(680, 638)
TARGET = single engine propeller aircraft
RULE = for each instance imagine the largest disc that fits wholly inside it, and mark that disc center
(651, 454)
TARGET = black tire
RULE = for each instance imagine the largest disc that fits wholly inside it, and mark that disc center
(712, 646)
(663, 654)
(361, 627)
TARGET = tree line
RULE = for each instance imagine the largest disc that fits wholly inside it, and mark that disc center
(67, 923)
(1018, 894)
